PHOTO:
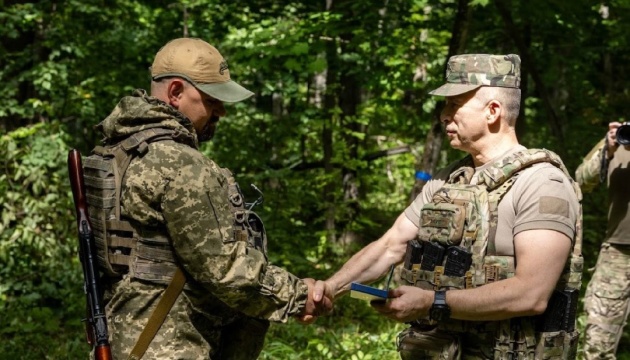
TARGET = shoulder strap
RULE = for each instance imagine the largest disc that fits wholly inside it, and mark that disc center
(501, 175)
(463, 171)
(494, 198)
(503, 169)
(125, 150)
(159, 315)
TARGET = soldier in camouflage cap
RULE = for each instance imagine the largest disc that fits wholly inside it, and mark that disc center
(607, 298)
(488, 240)
(180, 210)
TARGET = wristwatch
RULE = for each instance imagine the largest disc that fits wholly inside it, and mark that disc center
(439, 311)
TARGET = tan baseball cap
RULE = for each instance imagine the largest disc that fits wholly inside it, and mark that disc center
(202, 65)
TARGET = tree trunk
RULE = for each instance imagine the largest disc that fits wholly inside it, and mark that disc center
(521, 126)
(433, 142)
(27, 47)
(349, 98)
(330, 103)
(528, 63)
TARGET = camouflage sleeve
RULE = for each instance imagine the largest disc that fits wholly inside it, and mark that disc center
(197, 212)
(587, 174)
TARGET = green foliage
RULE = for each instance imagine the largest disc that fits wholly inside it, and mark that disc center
(40, 281)
(64, 64)
(360, 334)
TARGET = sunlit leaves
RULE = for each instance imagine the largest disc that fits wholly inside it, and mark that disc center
(37, 241)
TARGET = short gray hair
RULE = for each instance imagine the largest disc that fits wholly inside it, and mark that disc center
(510, 98)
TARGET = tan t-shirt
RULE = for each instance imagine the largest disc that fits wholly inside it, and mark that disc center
(541, 198)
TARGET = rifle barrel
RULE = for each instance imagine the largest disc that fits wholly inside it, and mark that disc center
(96, 322)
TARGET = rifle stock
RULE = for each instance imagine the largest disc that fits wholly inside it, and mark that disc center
(96, 325)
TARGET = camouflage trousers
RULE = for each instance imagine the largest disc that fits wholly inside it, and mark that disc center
(607, 302)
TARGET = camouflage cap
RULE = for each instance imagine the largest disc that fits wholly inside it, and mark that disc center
(471, 71)
(202, 65)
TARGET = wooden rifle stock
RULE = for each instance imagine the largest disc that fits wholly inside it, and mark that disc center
(96, 326)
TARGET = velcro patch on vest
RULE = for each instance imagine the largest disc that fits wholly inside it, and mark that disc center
(553, 205)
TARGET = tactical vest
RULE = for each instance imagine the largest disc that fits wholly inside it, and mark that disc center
(455, 249)
(145, 252)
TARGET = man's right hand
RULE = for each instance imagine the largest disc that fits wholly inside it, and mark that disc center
(319, 302)
(322, 290)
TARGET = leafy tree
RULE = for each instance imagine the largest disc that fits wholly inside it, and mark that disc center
(340, 121)
(40, 281)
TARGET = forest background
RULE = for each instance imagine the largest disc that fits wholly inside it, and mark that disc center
(340, 123)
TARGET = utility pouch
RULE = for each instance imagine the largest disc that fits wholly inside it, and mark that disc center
(413, 255)
(442, 222)
(558, 345)
(560, 313)
(432, 256)
(415, 343)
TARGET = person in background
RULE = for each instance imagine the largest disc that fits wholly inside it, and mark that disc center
(607, 298)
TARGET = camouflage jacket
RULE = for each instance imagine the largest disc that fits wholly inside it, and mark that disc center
(175, 188)
(588, 174)
(613, 173)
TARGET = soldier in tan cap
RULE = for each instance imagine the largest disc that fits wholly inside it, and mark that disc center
(183, 255)
(491, 247)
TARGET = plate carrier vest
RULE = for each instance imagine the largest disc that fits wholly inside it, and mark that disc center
(464, 216)
(145, 252)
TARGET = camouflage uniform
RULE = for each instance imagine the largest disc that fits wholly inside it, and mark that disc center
(478, 212)
(607, 299)
(232, 291)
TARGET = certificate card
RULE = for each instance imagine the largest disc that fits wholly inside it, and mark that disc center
(369, 293)
(364, 292)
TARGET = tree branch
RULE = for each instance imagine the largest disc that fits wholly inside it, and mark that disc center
(301, 165)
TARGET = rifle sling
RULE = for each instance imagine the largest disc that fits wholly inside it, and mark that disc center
(159, 315)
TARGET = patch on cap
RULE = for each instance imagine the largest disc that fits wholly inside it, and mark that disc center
(202, 65)
(471, 71)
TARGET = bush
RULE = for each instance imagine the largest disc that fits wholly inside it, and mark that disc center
(41, 300)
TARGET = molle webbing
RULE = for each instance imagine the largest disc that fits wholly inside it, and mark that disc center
(238, 209)
(247, 225)
(495, 181)
(120, 247)
(517, 338)
(494, 268)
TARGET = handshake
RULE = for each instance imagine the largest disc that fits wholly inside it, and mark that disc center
(404, 304)
(319, 302)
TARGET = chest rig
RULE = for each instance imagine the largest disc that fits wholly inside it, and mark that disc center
(455, 246)
(145, 252)
(455, 249)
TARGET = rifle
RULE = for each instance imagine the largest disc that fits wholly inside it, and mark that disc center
(96, 323)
